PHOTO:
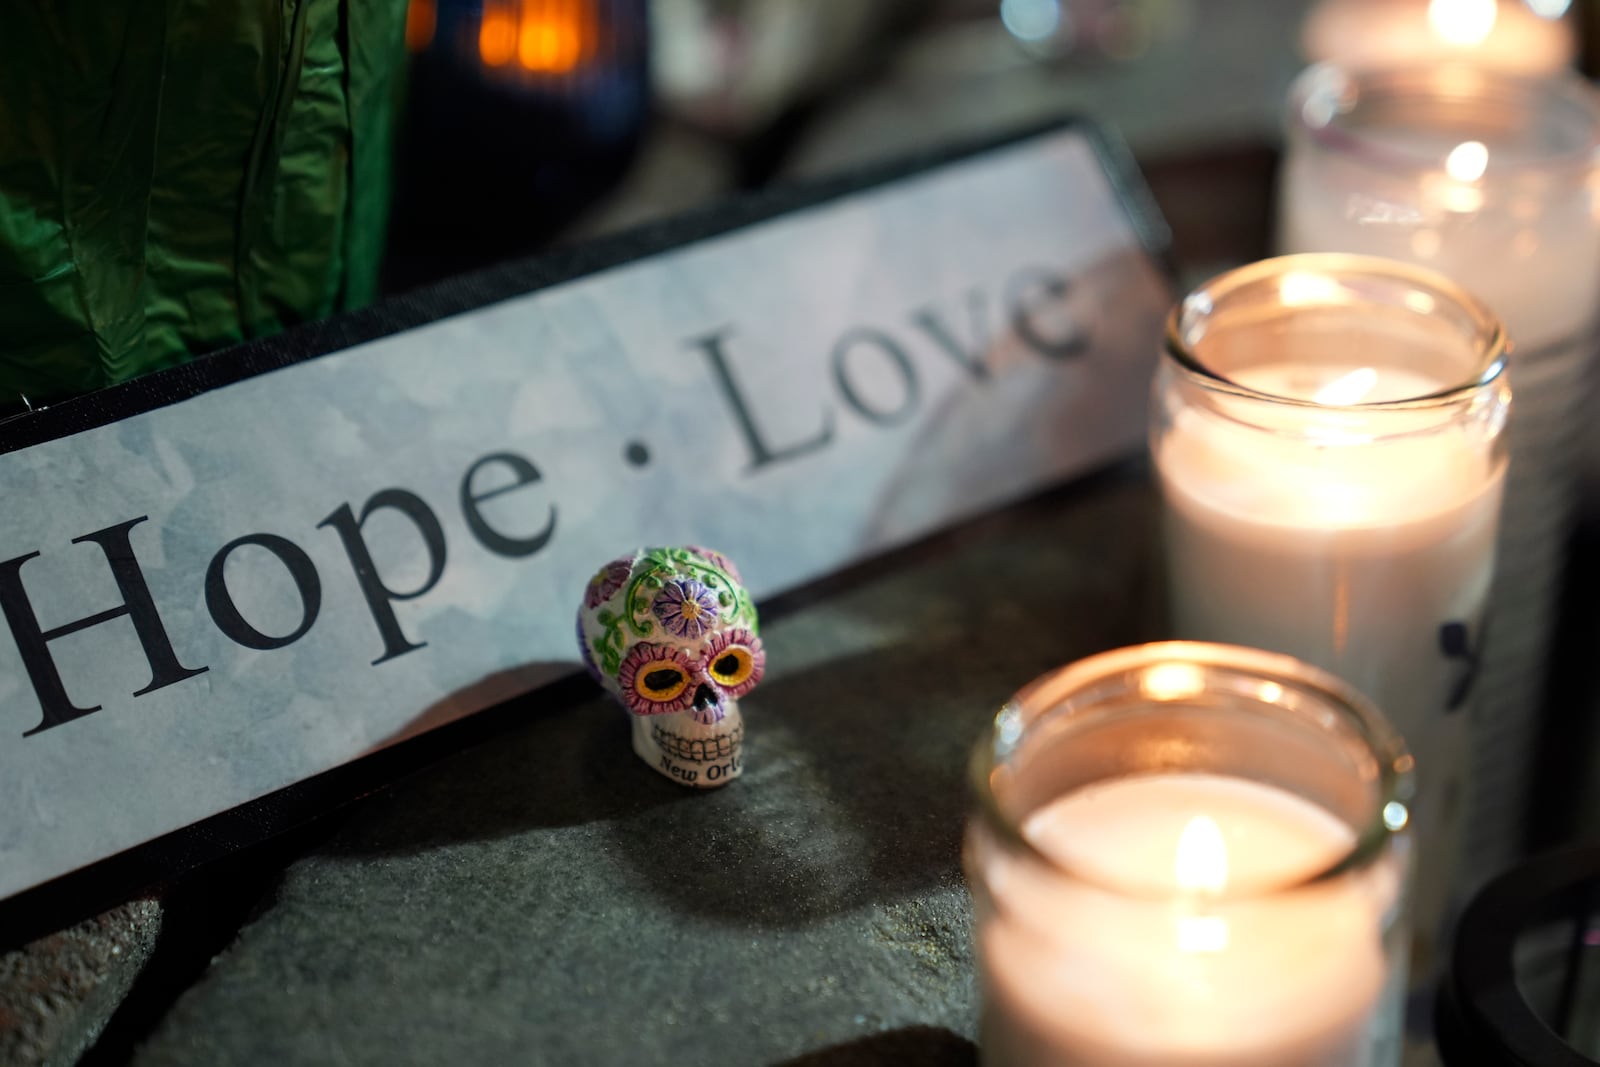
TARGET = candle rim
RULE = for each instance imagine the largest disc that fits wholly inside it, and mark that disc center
(1324, 22)
(1492, 342)
(1564, 88)
(1394, 762)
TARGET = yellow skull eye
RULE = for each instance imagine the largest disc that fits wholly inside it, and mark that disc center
(733, 666)
(660, 682)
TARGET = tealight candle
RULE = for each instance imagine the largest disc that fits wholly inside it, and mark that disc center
(1189, 855)
(1328, 436)
(1531, 36)
(1489, 179)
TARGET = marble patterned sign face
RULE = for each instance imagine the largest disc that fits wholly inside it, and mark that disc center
(207, 601)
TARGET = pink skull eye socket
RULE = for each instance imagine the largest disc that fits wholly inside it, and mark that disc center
(660, 682)
(656, 679)
(734, 661)
(733, 666)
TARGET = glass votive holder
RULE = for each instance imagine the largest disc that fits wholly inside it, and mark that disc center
(1190, 853)
(1490, 179)
(1328, 437)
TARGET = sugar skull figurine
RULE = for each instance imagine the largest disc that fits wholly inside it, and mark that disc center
(671, 633)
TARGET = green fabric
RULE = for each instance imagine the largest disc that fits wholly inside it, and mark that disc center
(177, 175)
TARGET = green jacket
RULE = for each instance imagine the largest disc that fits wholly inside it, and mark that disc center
(178, 175)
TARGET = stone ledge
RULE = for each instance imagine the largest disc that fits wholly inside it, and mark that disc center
(58, 993)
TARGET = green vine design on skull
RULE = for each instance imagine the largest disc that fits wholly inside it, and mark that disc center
(649, 580)
(609, 646)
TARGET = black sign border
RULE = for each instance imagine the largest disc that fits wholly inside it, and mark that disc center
(161, 861)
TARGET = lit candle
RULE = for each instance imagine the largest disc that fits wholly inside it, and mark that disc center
(1488, 179)
(1347, 553)
(1198, 914)
(1293, 984)
(1491, 180)
(1532, 37)
(1343, 512)
(1329, 441)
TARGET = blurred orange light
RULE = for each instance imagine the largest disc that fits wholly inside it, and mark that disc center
(497, 36)
(421, 20)
(550, 39)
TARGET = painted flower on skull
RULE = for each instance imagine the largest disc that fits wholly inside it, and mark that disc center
(607, 581)
(685, 607)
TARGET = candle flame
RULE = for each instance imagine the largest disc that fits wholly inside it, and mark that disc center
(1201, 864)
(1467, 161)
(1348, 389)
(1202, 869)
(1462, 22)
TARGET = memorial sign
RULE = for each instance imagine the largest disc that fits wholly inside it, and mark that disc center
(232, 577)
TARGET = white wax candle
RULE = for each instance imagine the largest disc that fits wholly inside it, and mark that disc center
(1136, 961)
(1491, 181)
(1510, 35)
(1532, 256)
(1344, 551)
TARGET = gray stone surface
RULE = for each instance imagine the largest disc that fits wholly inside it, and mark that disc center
(57, 993)
(545, 898)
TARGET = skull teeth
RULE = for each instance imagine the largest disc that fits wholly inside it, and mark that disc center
(697, 749)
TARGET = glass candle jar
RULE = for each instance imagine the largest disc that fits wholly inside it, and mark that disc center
(1529, 36)
(1490, 179)
(1328, 434)
(1190, 854)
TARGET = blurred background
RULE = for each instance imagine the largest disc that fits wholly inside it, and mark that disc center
(530, 122)
(326, 153)
(329, 151)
